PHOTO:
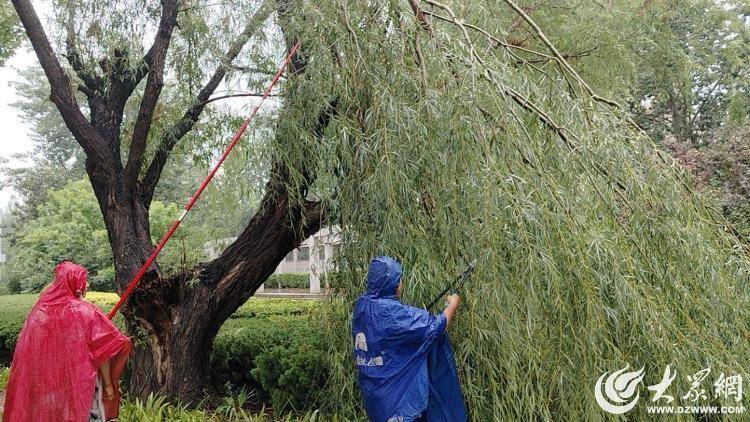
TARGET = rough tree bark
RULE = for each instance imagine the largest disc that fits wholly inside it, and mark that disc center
(174, 320)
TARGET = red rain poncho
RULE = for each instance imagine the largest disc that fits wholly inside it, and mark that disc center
(60, 348)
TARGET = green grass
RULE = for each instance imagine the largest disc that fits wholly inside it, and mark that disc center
(158, 409)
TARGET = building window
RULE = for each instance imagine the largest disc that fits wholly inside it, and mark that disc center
(290, 256)
(322, 251)
(303, 254)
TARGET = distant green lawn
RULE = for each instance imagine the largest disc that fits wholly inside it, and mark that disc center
(15, 307)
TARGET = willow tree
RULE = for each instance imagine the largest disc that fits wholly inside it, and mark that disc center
(147, 73)
(463, 130)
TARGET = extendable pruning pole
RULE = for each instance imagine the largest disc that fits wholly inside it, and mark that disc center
(133, 283)
(454, 286)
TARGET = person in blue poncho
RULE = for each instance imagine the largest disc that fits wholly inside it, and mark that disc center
(402, 353)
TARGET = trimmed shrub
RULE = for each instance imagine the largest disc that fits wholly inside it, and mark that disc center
(276, 348)
(289, 281)
(13, 311)
(103, 280)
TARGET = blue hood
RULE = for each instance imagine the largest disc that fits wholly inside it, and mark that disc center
(383, 277)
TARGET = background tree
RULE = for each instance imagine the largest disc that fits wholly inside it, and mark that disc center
(10, 32)
(721, 167)
(55, 159)
(693, 69)
(69, 225)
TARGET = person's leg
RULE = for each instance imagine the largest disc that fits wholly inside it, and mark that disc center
(96, 414)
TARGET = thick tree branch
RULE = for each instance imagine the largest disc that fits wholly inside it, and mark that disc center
(233, 289)
(560, 59)
(122, 81)
(420, 15)
(254, 69)
(61, 93)
(279, 214)
(188, 119)
(93, 84)
(224, 97)
(284, 219)
(152, 91)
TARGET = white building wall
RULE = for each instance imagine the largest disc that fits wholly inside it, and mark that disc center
(2, 255)
(313, 256)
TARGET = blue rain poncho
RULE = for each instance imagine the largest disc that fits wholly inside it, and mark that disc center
(403, 355)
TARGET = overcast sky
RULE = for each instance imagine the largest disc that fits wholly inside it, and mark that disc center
(15, 131)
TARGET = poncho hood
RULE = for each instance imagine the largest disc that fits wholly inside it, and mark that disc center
(383, 277)
(69, 284)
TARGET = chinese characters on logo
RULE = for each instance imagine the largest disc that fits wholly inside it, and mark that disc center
(696, 392)
(619, 393)
(725, 387)
(662, 386)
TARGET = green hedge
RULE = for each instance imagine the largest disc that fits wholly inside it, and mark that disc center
(273, 346)
(103, 280)
(13, 310)
(288, 281)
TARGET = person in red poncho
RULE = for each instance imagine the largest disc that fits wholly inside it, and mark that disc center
(68, 358)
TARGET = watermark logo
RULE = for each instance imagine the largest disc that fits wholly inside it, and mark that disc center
(618, 393)
(621, 389)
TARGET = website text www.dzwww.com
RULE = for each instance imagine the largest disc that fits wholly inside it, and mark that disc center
(696, 409)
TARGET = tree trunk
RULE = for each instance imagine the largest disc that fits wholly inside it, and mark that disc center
(175, 362)
(174, 320)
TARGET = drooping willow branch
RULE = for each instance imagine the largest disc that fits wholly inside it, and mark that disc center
(568, 138)
(244, 94)
(547, 121)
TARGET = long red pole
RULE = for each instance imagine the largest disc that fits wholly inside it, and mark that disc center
(133, 283)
